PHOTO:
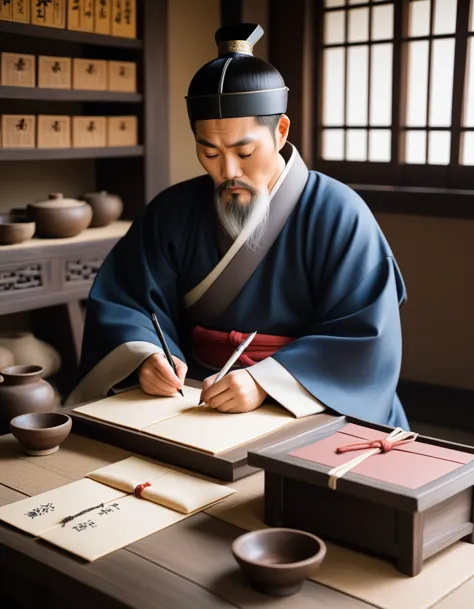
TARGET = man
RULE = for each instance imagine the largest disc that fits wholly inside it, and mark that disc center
(257, 243)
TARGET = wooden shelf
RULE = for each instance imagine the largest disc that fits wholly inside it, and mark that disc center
(39, 31)
(54, 154)
(76, 95)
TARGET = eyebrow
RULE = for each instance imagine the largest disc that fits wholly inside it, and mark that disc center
(242, 142)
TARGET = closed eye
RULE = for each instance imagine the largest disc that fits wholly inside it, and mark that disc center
(211, 156)
(245, 156)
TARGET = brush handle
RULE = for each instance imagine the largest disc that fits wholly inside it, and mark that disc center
(161, 336)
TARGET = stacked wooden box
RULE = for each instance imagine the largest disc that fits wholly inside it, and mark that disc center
(51, 131)
(108, 17)
(19, 70)
(61, 131)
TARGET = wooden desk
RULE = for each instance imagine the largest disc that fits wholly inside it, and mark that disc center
(188, 565)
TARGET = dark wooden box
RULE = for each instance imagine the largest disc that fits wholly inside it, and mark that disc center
(404, 524)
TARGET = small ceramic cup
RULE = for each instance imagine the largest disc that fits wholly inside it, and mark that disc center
(41, 433)
(276, 560)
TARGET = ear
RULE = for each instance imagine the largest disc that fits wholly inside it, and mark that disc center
(282, 131)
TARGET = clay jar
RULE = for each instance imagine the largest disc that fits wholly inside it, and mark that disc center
(58, 217)
(23, 391)
(106, 207)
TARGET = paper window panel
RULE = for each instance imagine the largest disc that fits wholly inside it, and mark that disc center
(439, 147)
(441, 82)
(415, 147)
(358, 27)
(417, 94)
(467, 148)
(471, 26)
(357, 85)
(333, 145)
(381, 85)
(356, 149)
(382, 22)
(333, 87)
(380, 145)
(334, 27)
(444, 16)
(333, 3)
(468, 118)
(419, 15)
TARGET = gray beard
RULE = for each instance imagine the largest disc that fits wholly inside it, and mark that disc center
(234, 216)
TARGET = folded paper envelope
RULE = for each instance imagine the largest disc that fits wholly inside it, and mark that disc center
(410, 465)
(178, 491)
(113, 507)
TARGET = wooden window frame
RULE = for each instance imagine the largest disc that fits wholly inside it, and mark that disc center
(296, 40)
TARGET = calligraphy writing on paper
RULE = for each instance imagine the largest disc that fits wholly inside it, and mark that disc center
(108, 509)
(40, 511)
(82, 526)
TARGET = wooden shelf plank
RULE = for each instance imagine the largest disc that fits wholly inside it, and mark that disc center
(38, 31)
(38, 93)
(38, 154)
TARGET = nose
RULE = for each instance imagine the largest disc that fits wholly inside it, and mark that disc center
(230, 168)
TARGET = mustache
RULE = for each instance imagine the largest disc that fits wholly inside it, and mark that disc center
(235, 184)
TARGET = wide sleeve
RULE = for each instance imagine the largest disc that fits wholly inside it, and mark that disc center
(349, 357)
(138, 277)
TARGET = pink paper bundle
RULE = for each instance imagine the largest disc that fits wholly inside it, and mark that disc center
(410, 465)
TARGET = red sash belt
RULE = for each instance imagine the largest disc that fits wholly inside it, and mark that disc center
(214, 348)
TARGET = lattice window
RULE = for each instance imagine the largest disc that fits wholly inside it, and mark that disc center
(396, 88)
(429, 48)
(357, 81)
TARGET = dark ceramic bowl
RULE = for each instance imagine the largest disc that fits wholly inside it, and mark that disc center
(15, 229)
(41, 433)
(278, 561)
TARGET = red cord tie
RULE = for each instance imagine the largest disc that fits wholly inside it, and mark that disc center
(383, 445)
(140, 488)
(374, 447)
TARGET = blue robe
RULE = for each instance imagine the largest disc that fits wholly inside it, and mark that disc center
(330, 280)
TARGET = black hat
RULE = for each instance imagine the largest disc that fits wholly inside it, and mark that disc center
(236, 83)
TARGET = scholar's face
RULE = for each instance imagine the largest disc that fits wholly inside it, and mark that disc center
(241, 156)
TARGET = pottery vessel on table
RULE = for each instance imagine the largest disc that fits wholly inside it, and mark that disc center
(29, 350)
(58, 217)
(277, 561)
(41, 433)
(15, 229)
(106, 207)
(23, 391)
